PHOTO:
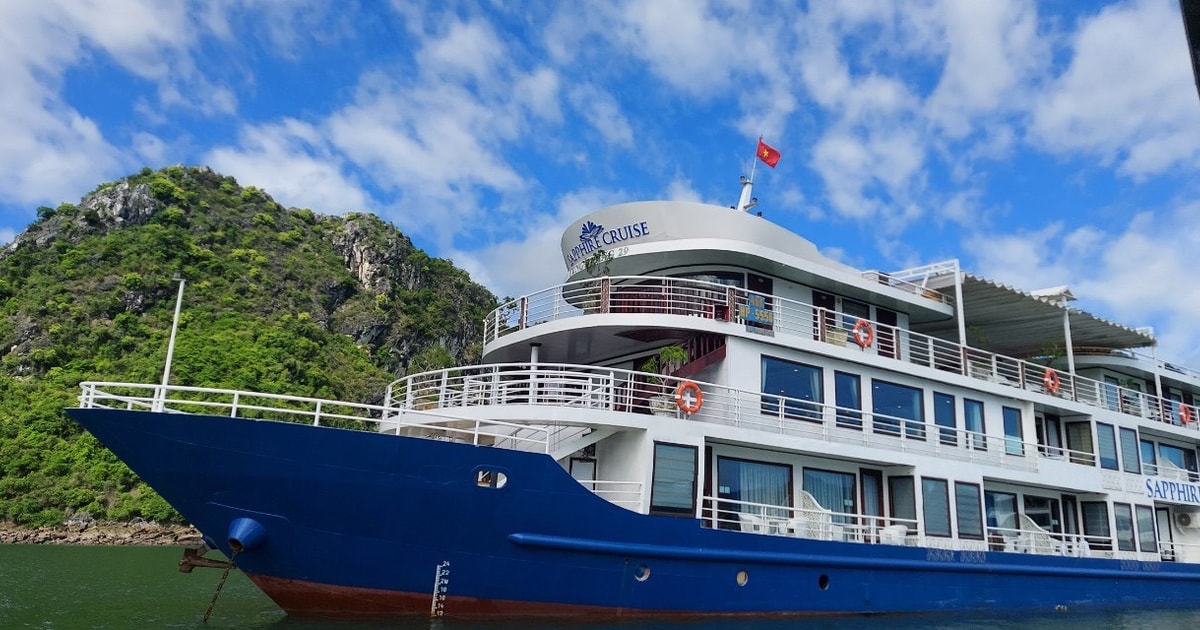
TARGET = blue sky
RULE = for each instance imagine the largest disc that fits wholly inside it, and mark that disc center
(1041, 143)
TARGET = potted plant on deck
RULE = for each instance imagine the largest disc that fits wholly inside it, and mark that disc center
(663, 365)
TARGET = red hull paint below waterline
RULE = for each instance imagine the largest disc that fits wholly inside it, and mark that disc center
(308, 599)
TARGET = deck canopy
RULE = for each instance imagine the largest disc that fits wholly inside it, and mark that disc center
(1019, 324)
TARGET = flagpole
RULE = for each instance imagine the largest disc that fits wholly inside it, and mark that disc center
(745, 201)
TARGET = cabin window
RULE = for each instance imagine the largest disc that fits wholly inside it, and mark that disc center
(1001, 510)
(1048, 435)
(943, 416)
(727, 278)
(833, 490)
(935, 503)
(1106, 441)
(759, 488)
(1012, 432)
(1043, 511)
(1129, 451)
(903, 500)
(852, 311)
(1079, 441)
(848, 389)
(791, 389)
(1149, 460)
(673, 487)
(1124, 517)
(1175, 457)
(973, 423)
(966, 509)
(1145, 528)
(894, 405)
(1095, 524)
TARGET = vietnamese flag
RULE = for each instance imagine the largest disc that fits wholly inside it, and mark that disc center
(767, 154)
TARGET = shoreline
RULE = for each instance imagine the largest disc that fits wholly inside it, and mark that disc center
(96, 533)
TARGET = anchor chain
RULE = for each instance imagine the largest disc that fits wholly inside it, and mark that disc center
(220, 585)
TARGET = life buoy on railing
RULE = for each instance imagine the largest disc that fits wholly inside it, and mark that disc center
(863, 334)
(1185, 414)
(688, 397)
(1050, 380)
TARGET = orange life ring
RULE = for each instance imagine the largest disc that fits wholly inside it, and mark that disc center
(863, 334)
(1050, 380)
(1185, 413)
(685, 404)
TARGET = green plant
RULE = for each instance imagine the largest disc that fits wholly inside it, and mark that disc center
(666, 361)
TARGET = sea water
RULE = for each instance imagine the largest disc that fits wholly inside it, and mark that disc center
(62, 587)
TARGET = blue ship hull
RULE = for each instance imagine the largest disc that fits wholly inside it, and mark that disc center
(350, 523)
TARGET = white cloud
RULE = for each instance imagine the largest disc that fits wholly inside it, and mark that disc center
(1128, 95)
(603, 113)
(532, 259)
(292, 162)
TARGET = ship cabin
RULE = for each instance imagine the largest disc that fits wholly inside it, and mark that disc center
(701, 362)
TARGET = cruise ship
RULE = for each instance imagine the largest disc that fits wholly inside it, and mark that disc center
(709, 417)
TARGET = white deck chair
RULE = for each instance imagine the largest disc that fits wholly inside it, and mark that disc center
(814, 520)
(1035, 539)
(752, 523)
(893, 534)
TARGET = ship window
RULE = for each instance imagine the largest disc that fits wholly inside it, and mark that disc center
(935, 502)
(1095, 524)
(673, 488)
(1129, 451)
(833, 490)
(849, 399)
(943, 416)
(795, 387)
(751, 487)
(1124, 519)
(1173, 456)
(1043, 511)
(966, 509)
(1079, 441)
(852, 311)
(903, 500)
(1149, 461)
(895, 404)
(727, 278)
(973, 423)
(485, 478)
(1145, 528)
(1012, 432)
(1106, 440)
(1001, 510)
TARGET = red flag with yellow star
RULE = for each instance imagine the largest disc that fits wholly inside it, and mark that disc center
(767, 154)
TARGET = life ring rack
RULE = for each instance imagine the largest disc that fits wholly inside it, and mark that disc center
(1051, 381)
(689, 404)
(864, 335)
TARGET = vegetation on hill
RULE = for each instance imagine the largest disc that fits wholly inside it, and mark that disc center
(276, 300)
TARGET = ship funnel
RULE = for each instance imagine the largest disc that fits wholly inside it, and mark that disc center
(245, 533)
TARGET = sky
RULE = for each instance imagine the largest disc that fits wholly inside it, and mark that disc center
(1039, 143)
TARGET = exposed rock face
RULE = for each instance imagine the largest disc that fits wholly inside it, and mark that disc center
(120, 205)
(92, 533)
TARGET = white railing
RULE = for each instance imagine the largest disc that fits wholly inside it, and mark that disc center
(676, 296)
(314, 411)
(627, 494)
(818, 523)
(814, 522)
(611, 389)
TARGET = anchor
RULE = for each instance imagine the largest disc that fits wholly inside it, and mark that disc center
(195, 557)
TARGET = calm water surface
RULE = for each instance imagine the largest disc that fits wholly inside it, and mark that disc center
(56, 587)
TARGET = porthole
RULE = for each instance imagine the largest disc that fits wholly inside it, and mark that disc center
(823, 582)
(742, 578)
(641, 573)
(488, 478)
